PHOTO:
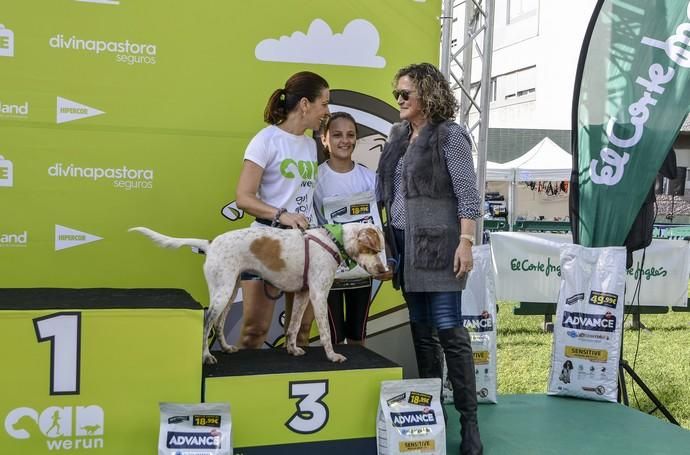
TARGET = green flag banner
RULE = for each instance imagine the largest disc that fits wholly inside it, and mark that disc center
(631, 97)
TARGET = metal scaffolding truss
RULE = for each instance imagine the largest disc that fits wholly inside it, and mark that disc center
(456, 65)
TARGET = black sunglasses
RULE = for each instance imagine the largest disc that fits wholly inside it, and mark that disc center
(404, 93)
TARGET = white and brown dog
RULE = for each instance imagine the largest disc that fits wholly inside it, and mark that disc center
(284, 258)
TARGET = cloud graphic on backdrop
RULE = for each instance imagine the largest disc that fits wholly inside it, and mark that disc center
(356, 46)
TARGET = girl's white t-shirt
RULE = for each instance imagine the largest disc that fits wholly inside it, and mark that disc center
(290, 170)
(331, 183)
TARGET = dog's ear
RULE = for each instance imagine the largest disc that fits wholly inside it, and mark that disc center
(369, 241)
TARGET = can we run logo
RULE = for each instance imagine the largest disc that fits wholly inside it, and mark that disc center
(62, 427)
(131, 53)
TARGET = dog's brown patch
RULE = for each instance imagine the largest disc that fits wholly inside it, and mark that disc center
(268, 251)
(369, 241)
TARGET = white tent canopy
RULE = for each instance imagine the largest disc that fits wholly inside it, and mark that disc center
(545, 161)
(496, 172)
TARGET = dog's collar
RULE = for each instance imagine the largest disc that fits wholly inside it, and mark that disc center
(335, 233)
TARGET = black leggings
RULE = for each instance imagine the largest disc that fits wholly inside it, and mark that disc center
(349, 320)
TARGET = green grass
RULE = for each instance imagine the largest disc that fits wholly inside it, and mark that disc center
(663, 358)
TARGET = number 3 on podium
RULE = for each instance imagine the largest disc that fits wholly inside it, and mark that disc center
(311, 413)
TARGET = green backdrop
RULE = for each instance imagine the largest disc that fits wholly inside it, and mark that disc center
(126, 113)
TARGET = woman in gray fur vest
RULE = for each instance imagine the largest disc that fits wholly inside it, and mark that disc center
(427, 186)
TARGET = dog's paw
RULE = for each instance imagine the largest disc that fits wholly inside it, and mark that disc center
(209, 359)
(229, 348)
(337, 358)
(296, 351)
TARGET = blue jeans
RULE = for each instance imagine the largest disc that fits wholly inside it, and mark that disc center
(440, 310)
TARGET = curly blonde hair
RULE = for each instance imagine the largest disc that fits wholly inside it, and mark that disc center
(437, 99)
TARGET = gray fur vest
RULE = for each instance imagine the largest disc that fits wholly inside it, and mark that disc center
(432, 232)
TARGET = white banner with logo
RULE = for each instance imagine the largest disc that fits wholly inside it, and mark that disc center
(527, 269)
(527, 266)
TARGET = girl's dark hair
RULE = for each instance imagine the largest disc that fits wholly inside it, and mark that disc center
(335, 116)
(437, 98)
(304, 84)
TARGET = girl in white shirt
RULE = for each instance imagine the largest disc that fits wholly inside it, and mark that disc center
(276, 186)
(348, 303)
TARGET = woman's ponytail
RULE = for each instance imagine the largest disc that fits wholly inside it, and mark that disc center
(304, 84)
(275, 111)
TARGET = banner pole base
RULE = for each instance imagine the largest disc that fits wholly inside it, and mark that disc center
(624, 367)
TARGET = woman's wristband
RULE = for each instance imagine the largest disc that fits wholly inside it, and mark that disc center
(469, 237)
(276, 218)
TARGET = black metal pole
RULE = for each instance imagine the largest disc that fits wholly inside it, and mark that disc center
(623, 367)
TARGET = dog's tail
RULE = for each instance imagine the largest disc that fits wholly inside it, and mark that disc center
(171, 242)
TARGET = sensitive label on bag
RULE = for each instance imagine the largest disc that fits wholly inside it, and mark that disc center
(427, 445)
(595, 355)
(480, 357)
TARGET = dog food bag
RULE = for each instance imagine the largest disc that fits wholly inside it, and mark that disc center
(479, 318)
(354, 208)
(588, 325)
(195, 429)
(410, 418)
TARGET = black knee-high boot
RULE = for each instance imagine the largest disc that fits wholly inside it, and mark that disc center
(427, 349)
(458, 349)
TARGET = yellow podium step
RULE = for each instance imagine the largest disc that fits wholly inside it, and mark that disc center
(85, 369)
(307, 405)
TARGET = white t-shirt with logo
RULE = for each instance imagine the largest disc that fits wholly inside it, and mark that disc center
(331, 183)
(290, 170)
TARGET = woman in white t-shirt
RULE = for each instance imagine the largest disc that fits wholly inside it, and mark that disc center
(348, 302)
(276, 186)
